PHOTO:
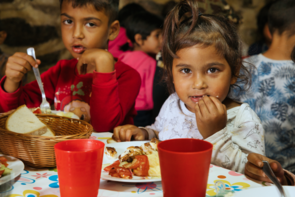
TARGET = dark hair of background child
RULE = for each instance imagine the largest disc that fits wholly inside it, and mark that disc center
(281, 18)
(184, 28)
(109, 6)
(128, 10)
(142, 23)
(167, 7)
(262, 20)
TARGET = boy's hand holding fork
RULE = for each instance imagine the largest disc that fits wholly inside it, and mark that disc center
(16, 67)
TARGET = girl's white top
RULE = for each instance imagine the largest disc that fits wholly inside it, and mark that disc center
(243, 133)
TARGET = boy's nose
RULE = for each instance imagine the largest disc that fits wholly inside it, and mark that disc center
(78, 32)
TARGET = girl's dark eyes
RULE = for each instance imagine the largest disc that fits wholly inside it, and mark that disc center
(213, 70)
(185, 70)
(68, 21)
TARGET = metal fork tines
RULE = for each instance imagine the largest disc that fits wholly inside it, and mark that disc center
(45, 107)
(269, 173)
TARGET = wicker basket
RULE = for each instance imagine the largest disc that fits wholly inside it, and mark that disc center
(38, 151)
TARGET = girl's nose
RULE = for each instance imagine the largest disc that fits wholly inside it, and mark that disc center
(78, 32)
(199, 83)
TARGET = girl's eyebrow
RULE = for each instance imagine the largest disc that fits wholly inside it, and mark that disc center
(87, 19)
(209, 64)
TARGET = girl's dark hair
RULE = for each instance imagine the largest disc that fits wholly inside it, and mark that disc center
(109, 6)
(185, 28)
(128, 10)
(142, 23)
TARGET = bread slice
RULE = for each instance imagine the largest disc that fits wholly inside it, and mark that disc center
(23, 121)
(49, 132)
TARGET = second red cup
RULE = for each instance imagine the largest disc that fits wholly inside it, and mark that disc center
(184, 167)
(79, 165)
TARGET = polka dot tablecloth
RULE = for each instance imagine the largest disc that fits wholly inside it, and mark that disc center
(44, 183)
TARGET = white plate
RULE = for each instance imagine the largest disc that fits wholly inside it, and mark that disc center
(120, 148)
(74, 116)
(269, 191)
(16, 165)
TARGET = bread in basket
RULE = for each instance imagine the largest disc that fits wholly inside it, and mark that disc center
(38, 151)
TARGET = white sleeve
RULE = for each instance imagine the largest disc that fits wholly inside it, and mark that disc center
(231, 145)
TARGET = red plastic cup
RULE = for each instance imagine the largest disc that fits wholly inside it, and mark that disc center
(184, 166)
(79, 165)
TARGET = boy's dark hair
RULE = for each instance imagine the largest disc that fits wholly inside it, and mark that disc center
(142, 23)
(109, 6)
(128, 10)
(184, 28)
(281, 17)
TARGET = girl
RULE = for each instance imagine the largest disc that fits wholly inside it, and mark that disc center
(143, 30)
(202, 56)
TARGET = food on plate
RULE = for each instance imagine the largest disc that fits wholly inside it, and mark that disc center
(24, 121)
(65, 114)
(151, 146)
(111, 140)
(3, 167)
(39, 111)
(111, 152)
(130, 153)
(136, 161)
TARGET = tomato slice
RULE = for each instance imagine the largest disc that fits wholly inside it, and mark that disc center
(3, 160)
(113, 172)
(144, 166)
(124, 172)
(115, 164)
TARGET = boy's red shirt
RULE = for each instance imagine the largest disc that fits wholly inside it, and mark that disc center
(105, 99)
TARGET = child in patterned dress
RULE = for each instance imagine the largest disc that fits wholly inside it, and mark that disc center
(202, 56)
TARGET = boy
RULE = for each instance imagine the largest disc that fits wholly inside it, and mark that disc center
(272, 92)
(92, 78)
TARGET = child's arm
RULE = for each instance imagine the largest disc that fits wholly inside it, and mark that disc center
(253, 169)
(113, 91)
(243, 134)
(30, 93)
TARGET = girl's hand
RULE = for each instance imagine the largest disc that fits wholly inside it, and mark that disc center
(210, 115)
(124, 133)
(253, 168)
(96, 59)
(16, 67)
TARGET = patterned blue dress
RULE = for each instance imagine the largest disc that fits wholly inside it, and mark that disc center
(272, 97)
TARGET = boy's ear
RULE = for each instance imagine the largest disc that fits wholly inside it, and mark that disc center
(138, 39)
(3, 36)
(114, 30)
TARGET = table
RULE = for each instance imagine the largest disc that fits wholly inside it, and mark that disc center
(44, 182)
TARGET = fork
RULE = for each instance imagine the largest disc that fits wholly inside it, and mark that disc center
(45, 107)
(269, 173)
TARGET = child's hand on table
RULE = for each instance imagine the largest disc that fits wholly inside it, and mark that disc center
(16, 67)
(124, 133)
(253, 168)
(95, 59)
(211, 116)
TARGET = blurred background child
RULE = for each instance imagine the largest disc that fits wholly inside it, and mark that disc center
(272, 93)
(144, 30)
(202, 56)
(121, 39)
(263, 34)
